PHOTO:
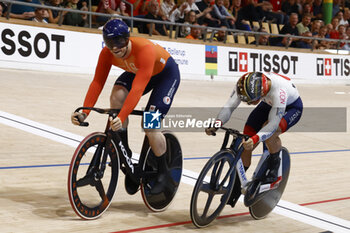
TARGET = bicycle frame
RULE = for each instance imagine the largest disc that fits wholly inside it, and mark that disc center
(237, 148)
(133, 169)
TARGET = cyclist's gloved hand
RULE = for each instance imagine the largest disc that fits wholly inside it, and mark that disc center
(78, 117)
(249, 144)
(116, 123)
(212, 130)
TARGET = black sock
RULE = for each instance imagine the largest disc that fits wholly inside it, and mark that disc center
(123, 133)
(162, 164)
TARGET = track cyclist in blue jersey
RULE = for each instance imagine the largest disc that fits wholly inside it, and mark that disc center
(279, 107)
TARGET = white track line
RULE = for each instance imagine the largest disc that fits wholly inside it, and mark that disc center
(287, 209)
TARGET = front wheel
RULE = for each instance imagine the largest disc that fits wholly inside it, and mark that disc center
(93, 176)
(161, 201)
(213, 188)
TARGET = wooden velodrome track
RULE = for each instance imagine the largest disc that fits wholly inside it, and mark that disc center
(37, 141)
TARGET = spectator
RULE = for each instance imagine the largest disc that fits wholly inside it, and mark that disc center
(347, 45)
(317, 9)
(220, 35)
(336, 7)
(190, 18)
(342, 21)
(342, 32)
(190, 5)
(307, 9)
(254, 11)
(241, 23)
(333, 33)
(205, 17)
(315, 27)
(1, 10)
(291, 27)
(263, 39)
(23, 12)
(228, 5)
(178, 15)
(290, 6)
(303, 26)
(347, 15)
(54, 15)
(305, 43)
(73, 19)
(196, 33)
(322, 44)
(221, 13)
(157, 28)
(110, 7)
(285, 42)
(144, 8)
(40, 14)
(168, 7)
(137, 4)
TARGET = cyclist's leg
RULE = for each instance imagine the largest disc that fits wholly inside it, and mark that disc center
(254, 123)
(120, 91)
(290, 118)
(164, 85)
(157, 141)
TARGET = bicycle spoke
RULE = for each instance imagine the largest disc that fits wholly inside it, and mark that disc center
(95, 158)
(100, 189)
(228, 174)
(84, 181)
(216, 173)
(207, 205)
(222, 190)
(206, 188)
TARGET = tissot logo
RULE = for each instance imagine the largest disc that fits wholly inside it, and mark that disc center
(332, 67)
(27, 43)
(244, 62)
(238, 62)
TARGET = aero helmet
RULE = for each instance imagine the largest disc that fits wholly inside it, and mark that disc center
(251, 86)
(116, 34)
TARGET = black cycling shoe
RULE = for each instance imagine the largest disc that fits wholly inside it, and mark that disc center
(162, 175)
(274, 161)
(131, 186)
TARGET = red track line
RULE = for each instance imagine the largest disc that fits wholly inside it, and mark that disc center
(320, 202)
(220, 217)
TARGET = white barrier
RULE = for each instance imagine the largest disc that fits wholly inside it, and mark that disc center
(45, 49)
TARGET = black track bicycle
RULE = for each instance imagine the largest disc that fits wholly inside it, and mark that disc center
(94, 171)
(216, 180)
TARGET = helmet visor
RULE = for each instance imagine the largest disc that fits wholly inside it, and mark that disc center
(117, 41)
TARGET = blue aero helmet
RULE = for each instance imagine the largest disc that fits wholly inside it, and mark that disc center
(116, 34)
(251, 86)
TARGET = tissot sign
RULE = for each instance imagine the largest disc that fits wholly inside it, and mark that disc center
(47, 49)
(333, 67)
(310, 66)
(245, 61)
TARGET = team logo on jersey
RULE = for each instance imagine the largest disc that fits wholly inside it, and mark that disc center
(152, 108)
(166, 100)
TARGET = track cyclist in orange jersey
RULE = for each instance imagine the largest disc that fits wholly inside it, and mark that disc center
(279, 107)
(148, 67)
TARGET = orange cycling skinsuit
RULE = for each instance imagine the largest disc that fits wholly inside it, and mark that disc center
(148, 66)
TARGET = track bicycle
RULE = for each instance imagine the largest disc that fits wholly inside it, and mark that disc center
(216, 180)
(94, 170)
